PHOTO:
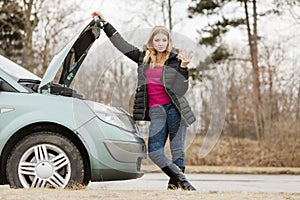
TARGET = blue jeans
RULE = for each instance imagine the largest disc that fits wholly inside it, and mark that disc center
(165, 120)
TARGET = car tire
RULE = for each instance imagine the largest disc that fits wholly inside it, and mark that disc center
(45, 159)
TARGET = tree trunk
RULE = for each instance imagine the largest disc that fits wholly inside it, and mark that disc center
(31, 21)
(298, 110)
(170, 15)
(257, 102)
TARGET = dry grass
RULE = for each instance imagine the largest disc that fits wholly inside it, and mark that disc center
(233, 155)
(48, 194)
(243, 152)
(231, 170)
(243, 170)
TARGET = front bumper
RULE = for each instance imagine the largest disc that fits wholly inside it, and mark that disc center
(114, 154)
(127, 152)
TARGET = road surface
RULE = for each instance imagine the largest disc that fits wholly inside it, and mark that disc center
(210, 182)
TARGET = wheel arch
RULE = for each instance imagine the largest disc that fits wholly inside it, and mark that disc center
(44, 126)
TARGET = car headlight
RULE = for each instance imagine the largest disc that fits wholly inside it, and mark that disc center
(114, 116)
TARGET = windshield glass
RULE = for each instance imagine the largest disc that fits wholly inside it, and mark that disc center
(15, 70)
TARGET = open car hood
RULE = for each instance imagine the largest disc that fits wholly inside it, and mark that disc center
(72, 55)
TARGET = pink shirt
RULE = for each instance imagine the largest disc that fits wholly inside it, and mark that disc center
(156, 92)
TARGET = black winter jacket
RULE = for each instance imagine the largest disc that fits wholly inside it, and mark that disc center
(174, 79)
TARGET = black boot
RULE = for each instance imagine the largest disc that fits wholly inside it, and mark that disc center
(175, 173)
(173, 185)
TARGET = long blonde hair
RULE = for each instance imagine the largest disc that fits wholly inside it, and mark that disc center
(151, 52)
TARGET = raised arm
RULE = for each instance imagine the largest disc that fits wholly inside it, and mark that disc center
(118, 41)
(182, 77)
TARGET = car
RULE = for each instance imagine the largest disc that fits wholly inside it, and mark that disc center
(51, 136)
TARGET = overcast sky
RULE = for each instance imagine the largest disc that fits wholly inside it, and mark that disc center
(117, 12)
(272, 29)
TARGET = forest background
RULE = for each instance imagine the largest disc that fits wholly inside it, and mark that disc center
(244, 76)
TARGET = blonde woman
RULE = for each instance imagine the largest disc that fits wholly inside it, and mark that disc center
(159, 98)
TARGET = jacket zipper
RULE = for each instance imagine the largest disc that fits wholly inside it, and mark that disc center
(164, 83)
(145, 106)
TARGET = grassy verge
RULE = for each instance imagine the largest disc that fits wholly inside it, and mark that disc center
(231, 170)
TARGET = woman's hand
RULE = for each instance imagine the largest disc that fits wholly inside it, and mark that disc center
(98, 14)
(185, 57)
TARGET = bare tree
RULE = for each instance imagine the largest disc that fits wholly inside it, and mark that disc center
(292, 6)
(155, 12)
(252, 42)
(57, 24)
(47, 26)
(30, 10)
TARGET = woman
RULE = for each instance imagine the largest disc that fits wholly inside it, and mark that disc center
(162, 83)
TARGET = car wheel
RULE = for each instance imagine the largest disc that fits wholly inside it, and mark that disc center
(44, 159)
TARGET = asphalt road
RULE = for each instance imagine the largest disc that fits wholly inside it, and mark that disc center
(210, 182)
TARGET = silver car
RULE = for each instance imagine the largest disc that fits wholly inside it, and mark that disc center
(50, 136)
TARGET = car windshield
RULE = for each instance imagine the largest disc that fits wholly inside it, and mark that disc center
(15, 70)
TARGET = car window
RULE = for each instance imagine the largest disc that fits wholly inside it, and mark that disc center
(5, 87)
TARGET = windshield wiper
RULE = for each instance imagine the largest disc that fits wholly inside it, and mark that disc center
(30, 84)
(24, 80)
